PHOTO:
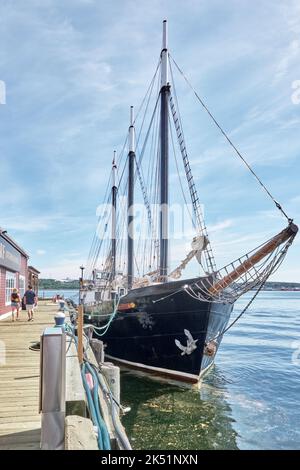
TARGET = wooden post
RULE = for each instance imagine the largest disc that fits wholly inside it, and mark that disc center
(80, 333)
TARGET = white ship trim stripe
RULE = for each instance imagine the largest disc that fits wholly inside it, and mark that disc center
(155, 369)
(203, 371)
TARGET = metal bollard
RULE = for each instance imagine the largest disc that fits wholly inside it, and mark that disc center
(61, 305)
(53, 388)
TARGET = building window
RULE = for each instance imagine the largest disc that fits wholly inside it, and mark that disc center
(10, 284)
(21, 286)
(121, 291)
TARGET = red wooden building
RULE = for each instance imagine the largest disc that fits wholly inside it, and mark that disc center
(13, 271)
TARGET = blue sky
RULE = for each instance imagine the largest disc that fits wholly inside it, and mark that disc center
(73, 68)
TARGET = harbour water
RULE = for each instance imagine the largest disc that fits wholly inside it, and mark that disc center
(67, 293)
(249, 399)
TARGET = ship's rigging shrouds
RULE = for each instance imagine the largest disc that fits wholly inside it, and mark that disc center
(225, 285)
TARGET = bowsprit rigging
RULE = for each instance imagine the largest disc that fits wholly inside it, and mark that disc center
(155, 311)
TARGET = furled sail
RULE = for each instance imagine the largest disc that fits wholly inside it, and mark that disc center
(198, 245)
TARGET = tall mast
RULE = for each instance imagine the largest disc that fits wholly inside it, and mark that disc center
(164, 158)
(131, 158)
(114, 218)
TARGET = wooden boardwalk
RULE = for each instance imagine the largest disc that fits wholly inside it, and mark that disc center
(20, 422)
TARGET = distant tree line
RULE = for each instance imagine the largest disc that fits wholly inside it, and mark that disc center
(282, 285)
(53, 284)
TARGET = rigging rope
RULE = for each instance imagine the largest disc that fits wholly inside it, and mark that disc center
(149, 90)
(97, 242)
(230, 141)
(274, 268)
(199, 218)
(219, 335)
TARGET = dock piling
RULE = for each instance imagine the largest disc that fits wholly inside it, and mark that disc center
(80, 333)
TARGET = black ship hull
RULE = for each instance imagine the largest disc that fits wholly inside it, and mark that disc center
(162, 330)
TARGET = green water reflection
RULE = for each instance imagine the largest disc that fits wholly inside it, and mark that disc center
(167, 417)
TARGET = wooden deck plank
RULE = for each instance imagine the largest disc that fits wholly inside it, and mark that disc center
(20, 423)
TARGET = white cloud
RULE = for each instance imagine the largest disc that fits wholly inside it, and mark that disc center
(220, 226)
(31, 223)
(290, 58)
(61, 269)
(71, 83)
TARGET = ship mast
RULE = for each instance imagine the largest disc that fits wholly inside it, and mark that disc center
(164, 158)
(114, 218)
(131, 158)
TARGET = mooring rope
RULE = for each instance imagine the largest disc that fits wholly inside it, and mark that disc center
(105, 327)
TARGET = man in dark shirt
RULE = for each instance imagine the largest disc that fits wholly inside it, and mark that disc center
(30, 301)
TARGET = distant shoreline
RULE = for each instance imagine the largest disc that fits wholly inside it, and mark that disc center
(52, 284)
(58, 288)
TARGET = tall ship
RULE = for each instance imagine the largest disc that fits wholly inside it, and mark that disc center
(148, 317)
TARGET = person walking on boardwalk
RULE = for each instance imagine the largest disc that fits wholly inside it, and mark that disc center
(30, 301)
(15, 304)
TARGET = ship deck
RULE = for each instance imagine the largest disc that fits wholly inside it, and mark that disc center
(20, 421)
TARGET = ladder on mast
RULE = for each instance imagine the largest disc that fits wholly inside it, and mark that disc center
(200, 223)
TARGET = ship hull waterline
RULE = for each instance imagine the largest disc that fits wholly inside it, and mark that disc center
(161, 330)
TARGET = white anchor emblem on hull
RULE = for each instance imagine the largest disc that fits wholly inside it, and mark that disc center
(190, 346)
